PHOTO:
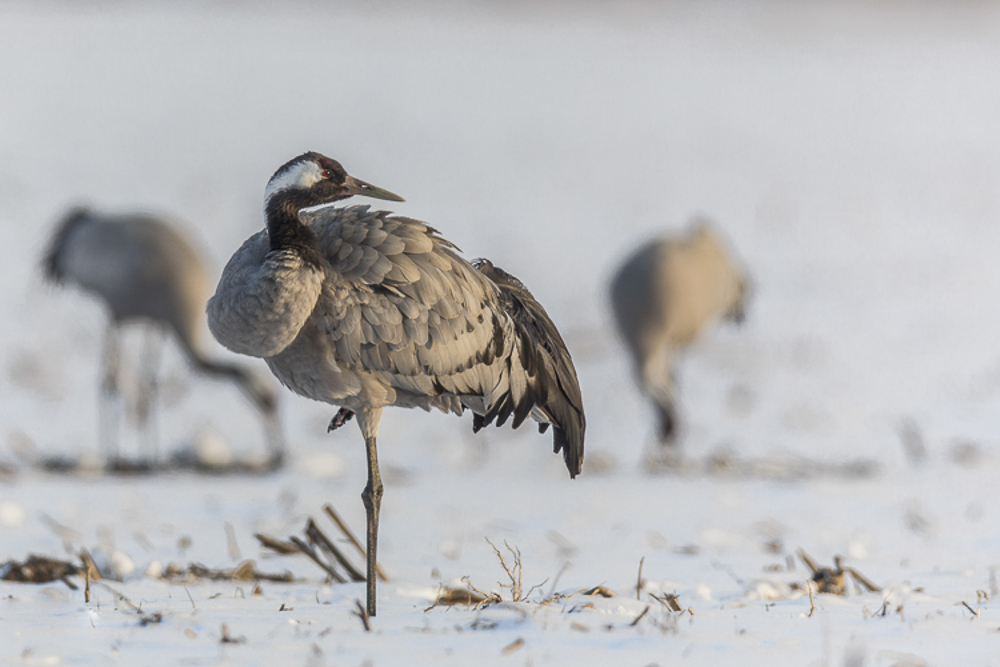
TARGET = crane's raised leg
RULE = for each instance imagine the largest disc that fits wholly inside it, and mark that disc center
(372, 498)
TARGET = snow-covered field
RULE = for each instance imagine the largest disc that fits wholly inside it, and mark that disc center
(850, 151)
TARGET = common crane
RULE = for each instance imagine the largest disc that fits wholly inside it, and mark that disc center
(664, 296)
(363, 310)
(144, 269)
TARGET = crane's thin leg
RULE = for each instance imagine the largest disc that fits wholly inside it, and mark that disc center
(667, 413)
(372, 498)
(275, 439)
(148, 389)
(110, 411)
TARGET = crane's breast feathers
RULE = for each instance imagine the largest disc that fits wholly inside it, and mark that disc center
(263, 299)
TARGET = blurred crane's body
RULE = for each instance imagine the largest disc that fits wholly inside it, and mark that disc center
(145, 270)
(364, 310)
(665, 295)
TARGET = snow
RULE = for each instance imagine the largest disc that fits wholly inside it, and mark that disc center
(849, 150)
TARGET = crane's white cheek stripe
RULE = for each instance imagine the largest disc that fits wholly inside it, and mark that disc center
(302, 175)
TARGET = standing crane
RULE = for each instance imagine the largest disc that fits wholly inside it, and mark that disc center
(143, 269)
(665, 295)
(362, 309)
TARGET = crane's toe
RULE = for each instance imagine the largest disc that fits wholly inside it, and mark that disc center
(342, 417)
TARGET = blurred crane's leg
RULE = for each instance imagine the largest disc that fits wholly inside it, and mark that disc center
(145, 406)
(275, 440)
(110, 395)
(666, 414)
(372, 498)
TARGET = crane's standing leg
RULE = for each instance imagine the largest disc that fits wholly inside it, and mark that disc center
(657, 376)
(273, 436)
(110, 409)
(372, 498)
(145, 407)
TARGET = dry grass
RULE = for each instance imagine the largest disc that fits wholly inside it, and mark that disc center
(245, 571)
(324, 552)
(834, 580)
(37, 569)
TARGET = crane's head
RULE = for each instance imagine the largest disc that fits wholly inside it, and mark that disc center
(312, 179)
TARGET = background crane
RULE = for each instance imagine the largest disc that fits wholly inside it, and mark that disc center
(144, 269)
(665, 295)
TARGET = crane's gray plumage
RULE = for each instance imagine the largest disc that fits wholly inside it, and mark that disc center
(142, 268)
(363, 310)
(664, 296)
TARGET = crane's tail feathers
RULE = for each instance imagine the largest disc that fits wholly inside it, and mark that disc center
(551, 391)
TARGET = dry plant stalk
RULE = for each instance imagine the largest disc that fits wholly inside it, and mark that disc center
(37, 569)
(834, 580)
(330, 512)
(513, 646)
(226, 638)
(600, 591)
(319, 538)
(514, 574)
(322, 550)
(277, 546)
(668, 600)
(640, 616)
(245, 571)
(309, 551)
(362, 613)
(485, 599)
(450, 595)
(231, 543)
(517, 592)
(144, 618)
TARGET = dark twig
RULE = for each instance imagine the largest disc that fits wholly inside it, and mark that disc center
(229, 639)
(144, 618)
(863, 580)
(277, 546)
(330, 512)
(309, 551)
(319, 538)
(639, 617)
(668, 600)
(974, 612)
(362, 613)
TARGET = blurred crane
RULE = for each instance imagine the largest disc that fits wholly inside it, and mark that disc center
(363, 310)
(144, 269)
(664, 296)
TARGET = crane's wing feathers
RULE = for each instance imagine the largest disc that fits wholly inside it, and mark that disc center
(404, 306)
(552, 385)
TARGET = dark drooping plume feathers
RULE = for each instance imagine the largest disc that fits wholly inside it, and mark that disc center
(553, 387)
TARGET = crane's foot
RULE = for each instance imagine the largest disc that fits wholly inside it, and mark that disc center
(342, 417)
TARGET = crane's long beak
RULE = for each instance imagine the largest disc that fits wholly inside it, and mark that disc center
(356, 186)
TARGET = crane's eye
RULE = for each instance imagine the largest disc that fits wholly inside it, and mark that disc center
(325, 173)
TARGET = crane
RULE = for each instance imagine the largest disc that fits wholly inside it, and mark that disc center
(362, 309)
(144, 269)
(665, 295)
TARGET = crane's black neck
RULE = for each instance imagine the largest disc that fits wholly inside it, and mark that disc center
(286, 231)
